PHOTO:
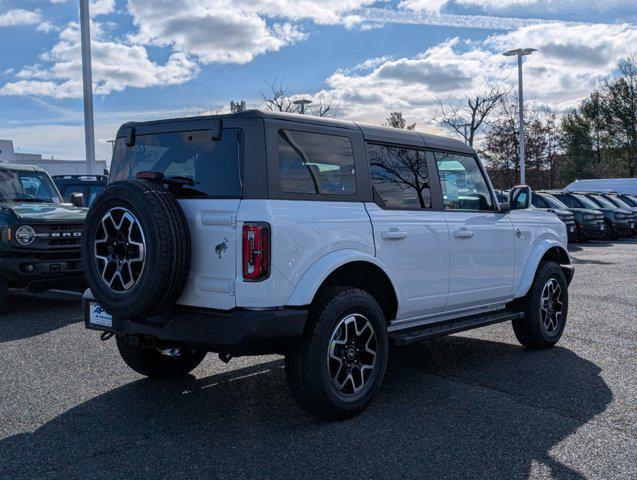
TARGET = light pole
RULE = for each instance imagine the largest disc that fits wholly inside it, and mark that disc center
(521, 52)
(303, 102)
(87, 80)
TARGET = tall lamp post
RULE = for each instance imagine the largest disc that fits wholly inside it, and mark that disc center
(521, 52)
(302, 104)
(87, 80)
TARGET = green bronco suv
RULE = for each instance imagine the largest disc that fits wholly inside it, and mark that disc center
(39, 234)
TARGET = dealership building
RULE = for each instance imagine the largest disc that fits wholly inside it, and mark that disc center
(54, 167)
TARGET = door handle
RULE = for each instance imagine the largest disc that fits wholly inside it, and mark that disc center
(463, 233)
(393, 234)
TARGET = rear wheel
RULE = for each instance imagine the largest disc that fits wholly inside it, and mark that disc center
(545, 308)
(338, 367)
(168, 363)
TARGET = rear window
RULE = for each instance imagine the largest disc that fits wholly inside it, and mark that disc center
(316, 163)
(215, 166)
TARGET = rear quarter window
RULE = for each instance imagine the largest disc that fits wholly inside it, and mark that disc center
(214, 166)
(316, 163)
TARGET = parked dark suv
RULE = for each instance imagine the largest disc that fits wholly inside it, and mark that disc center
(589, 222)
(543, 201)
(616, 221)
(88, 185)
(39, 234)
(626, 229)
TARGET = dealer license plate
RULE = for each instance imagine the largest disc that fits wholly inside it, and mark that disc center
(99, 316)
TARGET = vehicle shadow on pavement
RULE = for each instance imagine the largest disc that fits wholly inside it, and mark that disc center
(28, 315)
(455, 407)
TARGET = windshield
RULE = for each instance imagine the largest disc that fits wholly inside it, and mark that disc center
(632, 199)
(214, 166)
(552, 201)
(25, 186)
(618, 201)
(586, 202)
(601, 201)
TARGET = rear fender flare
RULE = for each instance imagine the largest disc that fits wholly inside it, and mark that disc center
(315, 275)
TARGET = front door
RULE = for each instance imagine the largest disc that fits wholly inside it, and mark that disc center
(481, 239)
(411, 238)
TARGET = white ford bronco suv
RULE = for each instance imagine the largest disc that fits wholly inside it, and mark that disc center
(321, 240)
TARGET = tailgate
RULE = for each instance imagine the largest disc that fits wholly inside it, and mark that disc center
(215, 244)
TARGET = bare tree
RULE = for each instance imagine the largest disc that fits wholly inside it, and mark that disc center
(279, 99)
(465, 116)
(396, 120)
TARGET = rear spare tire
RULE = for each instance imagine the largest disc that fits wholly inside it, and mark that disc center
(136, 249)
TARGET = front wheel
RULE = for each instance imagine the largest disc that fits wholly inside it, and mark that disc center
(154, 363)
(339, 365)
(545, 308)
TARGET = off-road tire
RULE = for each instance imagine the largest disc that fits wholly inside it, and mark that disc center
(152, 363)
(167, 249)
(306, 366)
(530, 330)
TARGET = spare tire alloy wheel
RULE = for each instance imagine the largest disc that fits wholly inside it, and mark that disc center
(136, 249)
(120, 249)
(351, 355)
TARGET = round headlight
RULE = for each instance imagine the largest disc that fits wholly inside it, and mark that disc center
(25, 235)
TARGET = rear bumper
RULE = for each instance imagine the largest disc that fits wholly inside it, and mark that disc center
(44, 272)
(236, 332)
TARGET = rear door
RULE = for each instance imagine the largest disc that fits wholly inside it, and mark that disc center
(481, 239)
(410, 235)
(210, 204)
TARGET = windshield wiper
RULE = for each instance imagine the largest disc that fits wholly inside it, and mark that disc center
(31, 200)
(176, 183)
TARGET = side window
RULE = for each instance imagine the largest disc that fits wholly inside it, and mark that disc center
(400, 176)
(316, 163)
(463, 185)
(539, 202)
(567, 200)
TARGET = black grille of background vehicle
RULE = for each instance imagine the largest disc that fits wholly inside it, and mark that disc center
(56, 236)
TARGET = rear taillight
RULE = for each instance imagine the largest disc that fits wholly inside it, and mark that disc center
(256, 251)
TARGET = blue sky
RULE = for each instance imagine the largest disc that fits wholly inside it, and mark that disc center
(160, 58)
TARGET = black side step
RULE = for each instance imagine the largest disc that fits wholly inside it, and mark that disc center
(404, 337)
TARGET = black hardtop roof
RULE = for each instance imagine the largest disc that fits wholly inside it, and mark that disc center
(372, 133)
(21, 168)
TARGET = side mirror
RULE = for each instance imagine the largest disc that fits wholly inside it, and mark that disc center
(520, 197)
(505, 207)
(77, 199)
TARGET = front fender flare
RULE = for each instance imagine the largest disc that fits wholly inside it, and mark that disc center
(533, 260)
(315, 275)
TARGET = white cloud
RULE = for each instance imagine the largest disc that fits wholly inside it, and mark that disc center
(20, 16)
(116, 66)
(213, 31)
(96, 7)
(46, 27)
(570, 60)
(521, 7)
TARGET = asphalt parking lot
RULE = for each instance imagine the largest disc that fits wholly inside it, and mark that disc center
(474, 405)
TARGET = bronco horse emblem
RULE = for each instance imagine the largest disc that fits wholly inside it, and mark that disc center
(222, 247)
